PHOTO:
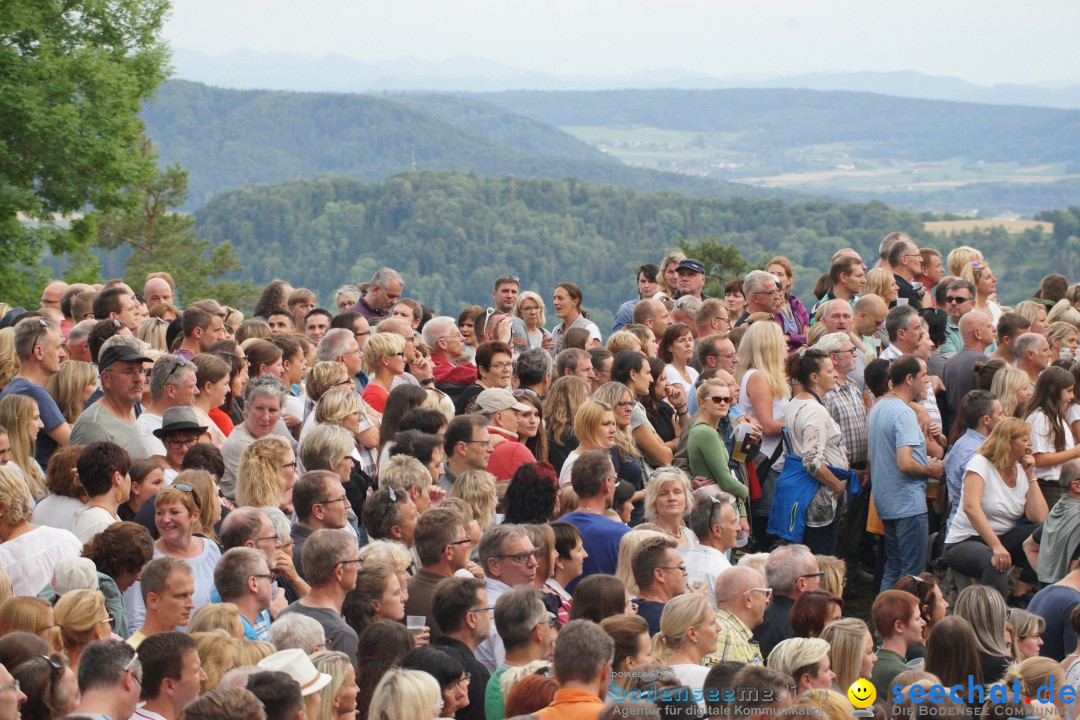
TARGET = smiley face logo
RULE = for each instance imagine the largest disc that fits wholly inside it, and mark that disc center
(862, 693)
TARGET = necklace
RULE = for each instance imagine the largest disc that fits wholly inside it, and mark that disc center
(677, 535)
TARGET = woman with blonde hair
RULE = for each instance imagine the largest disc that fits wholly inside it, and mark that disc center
(1034, 313)
(28, 552)
(668, 501)
(406, 695)
(212, 380)
(1012, 388)
(217, 653)
(561, 404)
(384, 361)
(999, 488)
(217, 616)
(478, 489)
(984, 608)
(393, 555)
(668, 278)
(377, 596)
(1027, 633)
(267, 473)
(21, 613)
(979, 274)
(825, 703)
(705, 448)
(152, 332)
(9, 360)
(623, 340)
(1064, 311)
(530, 309)
(1037, 675)
(338, 699)
(688, 632)
(250, 652)
(835, 578)
(20, 416)
(626, 457)
(961, 257)
(764, 395)
(204, 486)
(595, 429)
(72, 386)
(81, 618)
(851, 650)
(881, 282)
(1062, 339)
(805, 661)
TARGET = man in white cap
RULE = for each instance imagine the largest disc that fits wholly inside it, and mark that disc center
(297, 665)
(501, 409)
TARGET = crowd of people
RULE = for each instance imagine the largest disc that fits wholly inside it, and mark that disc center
(725, 506)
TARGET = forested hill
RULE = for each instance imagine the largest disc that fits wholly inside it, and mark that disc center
(893, 127)
(450, 235)
(230, 138)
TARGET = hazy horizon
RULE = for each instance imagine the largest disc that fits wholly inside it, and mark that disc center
(985, 43)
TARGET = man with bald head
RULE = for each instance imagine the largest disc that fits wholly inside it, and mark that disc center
(1032, 353)
(741, 599)
(50, 296)
(870, 313)
(977, 334)
(157, 291)
(654, 315)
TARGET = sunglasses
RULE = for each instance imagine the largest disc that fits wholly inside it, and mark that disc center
(718, 399)
(957, 299)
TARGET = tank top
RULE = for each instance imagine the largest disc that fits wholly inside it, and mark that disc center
(769, 443)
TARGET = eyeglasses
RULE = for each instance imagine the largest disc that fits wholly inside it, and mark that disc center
(466, 541)
(530, 309)
(288, 465)
(361, 333)
(273, 538)
(344, 383)
(957, 299)
(551, 620)
(42, 327)
(341, 500)
(177, 443)
(523, 558)
(357, 561)
(463, 681)
(680, 568)
(501, 365)
(135, 666)
(175, 367)
(507, 278)
(13, 685)
(483, 609)
(718, 399)
(480, 442)
(128, 371)
(108, 619)
(400, 354)
(767, 292)
(260, 576)
(190, 490)
(626, 404)
(767, 592)
(851, 351)
(817, 575)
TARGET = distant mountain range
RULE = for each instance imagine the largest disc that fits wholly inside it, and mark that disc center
(245, 69)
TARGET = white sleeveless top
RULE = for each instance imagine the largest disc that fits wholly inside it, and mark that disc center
(779, 413)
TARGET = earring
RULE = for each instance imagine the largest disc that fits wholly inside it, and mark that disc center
(560, 566)
(119, 495)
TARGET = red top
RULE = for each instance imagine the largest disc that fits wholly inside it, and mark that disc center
(375, 396)
(222, 420)
(447, 372)
(507, 456)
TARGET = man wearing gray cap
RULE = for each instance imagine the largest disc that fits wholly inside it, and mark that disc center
(501, 410)
(112, 417)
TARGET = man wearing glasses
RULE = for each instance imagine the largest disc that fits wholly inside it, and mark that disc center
(172, 384)
(110, 680)
(242, 577)
(41, 350)
(443, 547)
(460, 607)
(501, 409)
(959, 301)
(790, 571)
(509, 560)
(906, 262)
(660, 574)
(320, 502)
(763, 295)
(741, 599)
(112, 417)
(442, 335)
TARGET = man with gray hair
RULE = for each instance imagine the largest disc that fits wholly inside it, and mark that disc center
(110, 681)
(790, 571)
(904, 327)
(40, 349)
(441, 334)
(78, 343)
(715, 522)
(172, 384)
(906, 262)
(384, 289)
(294, 630)
(763, 295)
(509, 560)
(533, 369)
(340, 345)
(332, 561)
(520, 616)
(1050, 548)
(582, 663)
(741, 599)
(112, 418)
(1032, 352)
(242, 577)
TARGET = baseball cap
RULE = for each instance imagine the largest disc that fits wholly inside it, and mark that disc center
(120, 353)
(692, 265)
(495, 400)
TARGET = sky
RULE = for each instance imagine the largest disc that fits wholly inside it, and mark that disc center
(985, 42)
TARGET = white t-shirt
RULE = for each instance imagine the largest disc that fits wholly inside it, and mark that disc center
(29, 559)
(147, 424)
(708, 561)
(57, 511)
(564, 474)
(672, 375)
(89, 521)
(1042, 441)
(1001, 504)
